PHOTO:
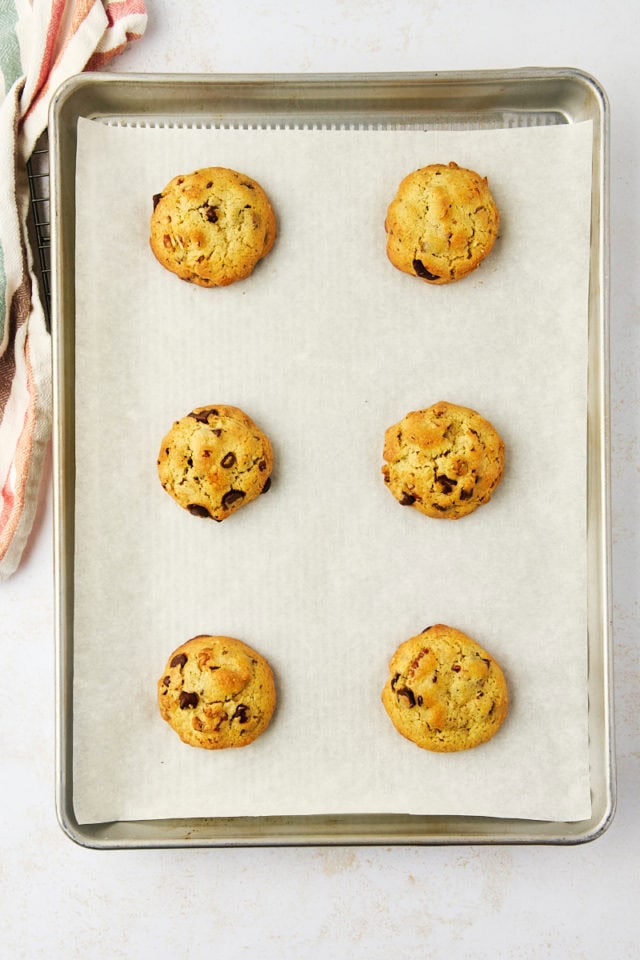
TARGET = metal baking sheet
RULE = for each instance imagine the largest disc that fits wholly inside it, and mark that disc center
(466, 101)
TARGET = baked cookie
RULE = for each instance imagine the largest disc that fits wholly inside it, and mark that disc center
(214, 461)
(442, 222)
(217, 692)
(212, 226)
(445, 461)
(444, 692)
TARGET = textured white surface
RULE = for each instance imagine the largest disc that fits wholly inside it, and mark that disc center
(527, 903)
(328, 574)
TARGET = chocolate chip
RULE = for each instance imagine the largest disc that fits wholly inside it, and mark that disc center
(209, 185)
(420, 701)
(211, 214)
(262, 465)
(466, 494)
(231, 496)
(422, 271)
(446, 483)
(228, 460)
(241, 713)
(266, 486)
(394, 681)
(157, 197)
(166, 681)
(437, 506)
(248, 185)
(202, 416)
(188, 700)
(179, 660)
(409, 694)
(407, 500)
(198, 510)
(456, 668)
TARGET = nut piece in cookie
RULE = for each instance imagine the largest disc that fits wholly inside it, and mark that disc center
(212, 226)
(444, 691)
(214, 461)
(442, 223)
(444, 461)
(217, 692)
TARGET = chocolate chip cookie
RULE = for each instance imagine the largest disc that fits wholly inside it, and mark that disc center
(444, 691)
(442, 223)
(217, 692)
(444, 461)
(214, 461)
(212, 226)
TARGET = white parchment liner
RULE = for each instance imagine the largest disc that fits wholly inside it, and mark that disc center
(325, 346)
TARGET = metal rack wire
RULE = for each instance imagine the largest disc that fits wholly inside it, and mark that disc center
(38, 175)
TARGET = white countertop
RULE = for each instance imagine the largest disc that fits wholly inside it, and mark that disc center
(60, 900)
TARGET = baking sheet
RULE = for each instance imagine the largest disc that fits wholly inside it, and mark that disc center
(325, 346)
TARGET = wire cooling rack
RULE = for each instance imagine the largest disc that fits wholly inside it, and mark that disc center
(38, 174)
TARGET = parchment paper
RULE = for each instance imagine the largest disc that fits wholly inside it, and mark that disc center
(325, 346)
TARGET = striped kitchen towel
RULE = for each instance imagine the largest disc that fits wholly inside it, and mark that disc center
(42, 43)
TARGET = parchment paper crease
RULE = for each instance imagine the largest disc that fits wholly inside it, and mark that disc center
(325, 346)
